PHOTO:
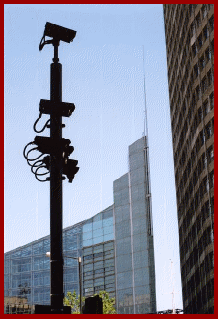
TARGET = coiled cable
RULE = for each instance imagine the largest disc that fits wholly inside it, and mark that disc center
(36, 163)
(34, 126)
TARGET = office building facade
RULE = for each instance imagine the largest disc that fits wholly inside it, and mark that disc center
(116, 246)
(189, 30)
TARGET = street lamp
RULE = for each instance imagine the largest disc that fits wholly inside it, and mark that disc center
(48, 254)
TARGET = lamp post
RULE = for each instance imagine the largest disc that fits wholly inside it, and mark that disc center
(80, 277)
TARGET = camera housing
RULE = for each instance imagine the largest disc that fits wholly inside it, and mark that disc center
(56, 108)
(59, 33)
(70, 169)
(47, 145)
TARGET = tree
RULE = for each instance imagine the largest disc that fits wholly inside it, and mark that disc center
(72, 300)
(108, 303)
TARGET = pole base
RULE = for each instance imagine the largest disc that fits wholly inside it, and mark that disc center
(46, 309)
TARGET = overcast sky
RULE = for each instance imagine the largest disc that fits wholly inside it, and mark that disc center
(103, 76)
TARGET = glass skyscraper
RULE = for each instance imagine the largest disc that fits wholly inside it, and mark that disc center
(116, 246)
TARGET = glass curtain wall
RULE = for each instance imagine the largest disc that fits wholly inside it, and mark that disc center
(133, 236)
(27, 269)
(98, 254)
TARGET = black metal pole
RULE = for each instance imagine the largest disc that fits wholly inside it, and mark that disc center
(56, 260)
(80, 285)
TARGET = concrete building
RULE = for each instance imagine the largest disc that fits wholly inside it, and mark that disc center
(189, 30)
(116, 246)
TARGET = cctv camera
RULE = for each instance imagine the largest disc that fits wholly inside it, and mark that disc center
(57, 108)
(59, 33)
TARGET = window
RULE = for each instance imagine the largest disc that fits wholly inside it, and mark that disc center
(88, 291)
(204, 11)
(99, 281)
(193, 29)
(204, 84)
(212, 179)
(108, 246)
(98, 265)
(109, 262)
(38, 263)
(98, 249)
(108, 254)
(88, 284)
(88, 274)
(88, 267)
(194, 50)
(200, 115)
(98, 232)
(38, 279)
(209, 132)
(87, 251)
(198, 92)
(97, 255)
(206, 108)
(207, 184)
(211, 22)
(198, 20)
(202, 138)
(206, 32)
(109, 279)
(204, 160)
(99, 273)
(97, 224)
(87, 227)
(109, 270)
(200, 41)
(210, 78)
(196, 70)
(97, 240)
(202, 62)
(99, 288)
(208, 55)
(88, 257)
(191, 9)
(212, 101)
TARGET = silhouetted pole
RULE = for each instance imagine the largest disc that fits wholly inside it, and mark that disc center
(56, 163)
(80, 285)
(56, 260)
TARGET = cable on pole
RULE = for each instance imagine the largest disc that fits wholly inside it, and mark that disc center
(46, 124)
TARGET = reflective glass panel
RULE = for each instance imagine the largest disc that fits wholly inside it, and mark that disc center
(98, 232)
(97, 224)
(88, 242)
(108, 237)
(87, 235)
(124, 280)
(97, 240)
(87, 227)
(108, 222)
(108, 230)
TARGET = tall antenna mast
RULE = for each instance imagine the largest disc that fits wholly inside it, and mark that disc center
(145, 117)
(146, 148)
(173, 304)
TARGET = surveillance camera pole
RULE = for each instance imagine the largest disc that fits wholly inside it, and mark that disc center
(56, 260)
(57, 163)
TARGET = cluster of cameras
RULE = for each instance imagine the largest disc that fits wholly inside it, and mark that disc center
(48, 146)
(60, 149)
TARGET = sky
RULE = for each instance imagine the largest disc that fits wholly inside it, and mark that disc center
(103, 69)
